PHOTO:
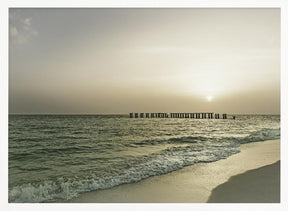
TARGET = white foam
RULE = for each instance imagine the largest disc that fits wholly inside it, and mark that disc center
(155, 164)
(165, 161)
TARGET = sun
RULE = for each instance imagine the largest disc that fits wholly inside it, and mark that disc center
(209, 98)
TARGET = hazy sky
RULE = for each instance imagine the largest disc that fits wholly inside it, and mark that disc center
(144, 60)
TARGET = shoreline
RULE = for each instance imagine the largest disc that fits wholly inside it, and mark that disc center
(192, 184)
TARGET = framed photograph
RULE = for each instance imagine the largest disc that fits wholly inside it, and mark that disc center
(173, 104)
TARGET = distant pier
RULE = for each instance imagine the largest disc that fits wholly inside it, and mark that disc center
(201, 115)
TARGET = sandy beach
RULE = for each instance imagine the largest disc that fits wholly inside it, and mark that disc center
(260, 185)
(206, 182)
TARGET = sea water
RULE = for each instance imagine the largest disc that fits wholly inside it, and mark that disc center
(59, 156)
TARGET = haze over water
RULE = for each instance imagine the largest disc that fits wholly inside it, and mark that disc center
(144, 60)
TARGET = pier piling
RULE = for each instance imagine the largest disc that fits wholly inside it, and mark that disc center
(202, 115)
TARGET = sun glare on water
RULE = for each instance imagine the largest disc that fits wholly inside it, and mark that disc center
(209, 98)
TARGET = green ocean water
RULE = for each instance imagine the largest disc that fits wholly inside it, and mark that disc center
(59, 156)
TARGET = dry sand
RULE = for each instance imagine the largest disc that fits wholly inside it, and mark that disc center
(194, 184)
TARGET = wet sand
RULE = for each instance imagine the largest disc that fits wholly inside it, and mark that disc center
(196, 183)
(261, 185)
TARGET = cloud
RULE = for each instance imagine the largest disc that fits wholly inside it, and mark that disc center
(21, 28)
(13, 31)
(27, 21)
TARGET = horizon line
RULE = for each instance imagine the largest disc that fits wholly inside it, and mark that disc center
(133, 112)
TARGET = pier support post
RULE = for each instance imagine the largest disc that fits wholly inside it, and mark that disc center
(178, 115)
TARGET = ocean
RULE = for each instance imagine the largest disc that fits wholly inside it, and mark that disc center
(55, 157)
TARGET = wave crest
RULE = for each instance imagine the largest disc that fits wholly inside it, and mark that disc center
(165, 161)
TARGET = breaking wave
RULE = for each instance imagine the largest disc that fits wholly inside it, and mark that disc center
(197, 149)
